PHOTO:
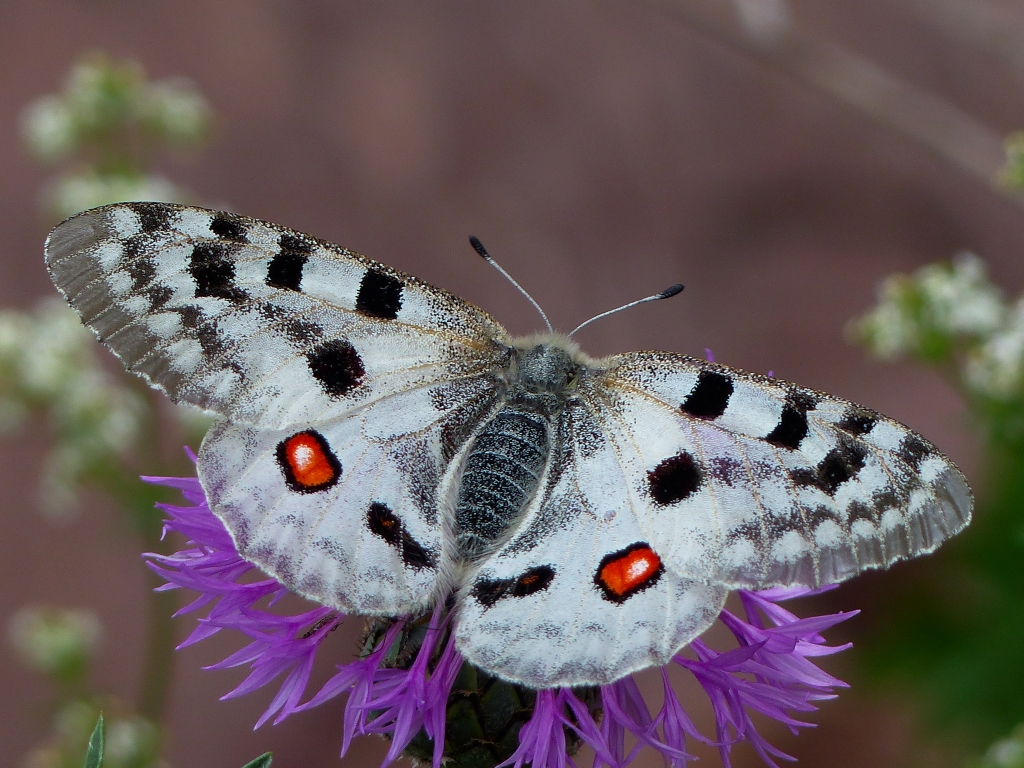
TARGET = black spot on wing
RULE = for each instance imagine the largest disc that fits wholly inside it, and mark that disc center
(285, 269)
(858, 420)
(380, 295)
(158, 296)
(152, 216)
(858, 510)
(487, 592)
(840, 464)
(138, 246)
(792, 427)
(206, 331)
(822, 514)
(674, 479)
(214, 272)
(384, 523)
(293, 243)
(142, 271)
(302, 333)
(710, 397)
(337, 366)
(229, 227)
(890, 498)
(913, 450)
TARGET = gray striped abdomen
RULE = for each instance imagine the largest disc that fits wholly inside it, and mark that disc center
(501, 474)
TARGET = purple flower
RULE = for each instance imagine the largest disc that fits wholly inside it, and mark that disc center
(402, 685)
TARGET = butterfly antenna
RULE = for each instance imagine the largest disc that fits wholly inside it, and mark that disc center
(479, 248)
(668, 293)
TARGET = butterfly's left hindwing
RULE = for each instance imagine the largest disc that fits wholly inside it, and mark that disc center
(752, 482)
(346, 511)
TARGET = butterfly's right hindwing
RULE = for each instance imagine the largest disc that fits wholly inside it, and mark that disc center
(259, 323)
(577, 595)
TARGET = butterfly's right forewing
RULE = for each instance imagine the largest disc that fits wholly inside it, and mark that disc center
(753, 482)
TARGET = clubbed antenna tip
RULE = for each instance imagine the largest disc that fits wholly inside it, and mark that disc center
(479, 247)
(668, 293)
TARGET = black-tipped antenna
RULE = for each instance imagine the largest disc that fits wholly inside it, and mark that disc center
(668, 293)
(479, 248)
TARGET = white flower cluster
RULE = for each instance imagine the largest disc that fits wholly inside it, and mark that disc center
(100, 95)
(951, 311)
(111, 117)
(54, 640)
(49, 363)
(995, 368)
(939, 301)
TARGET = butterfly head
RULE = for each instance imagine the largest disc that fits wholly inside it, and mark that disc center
(547, 366)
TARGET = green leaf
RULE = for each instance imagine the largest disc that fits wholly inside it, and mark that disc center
(263, 761)
(94, 753)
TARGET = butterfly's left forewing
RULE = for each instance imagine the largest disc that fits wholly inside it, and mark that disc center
(259, 323)
(751, 482)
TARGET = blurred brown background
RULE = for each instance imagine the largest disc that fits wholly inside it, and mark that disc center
(602, 151)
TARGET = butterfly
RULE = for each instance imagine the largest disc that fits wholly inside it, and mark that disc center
(383, 445)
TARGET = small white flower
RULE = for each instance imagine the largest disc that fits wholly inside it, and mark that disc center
(49, 128)
(178, 109)
(996, 367)
(962, 299)
(937, 303)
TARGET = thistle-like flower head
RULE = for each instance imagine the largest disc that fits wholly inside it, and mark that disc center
(409, 683)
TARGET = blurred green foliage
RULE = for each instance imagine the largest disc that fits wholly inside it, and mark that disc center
(106, 126)
(104, 130)
(957, 636)
(112, 741)
(1013, 172)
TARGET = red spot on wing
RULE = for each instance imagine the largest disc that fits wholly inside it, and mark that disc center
(308, 462)
(624, 573)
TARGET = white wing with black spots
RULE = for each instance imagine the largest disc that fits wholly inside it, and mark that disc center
(752, 482)
(577, 595)
(256, 322)
(384, 446)
(346, 512)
